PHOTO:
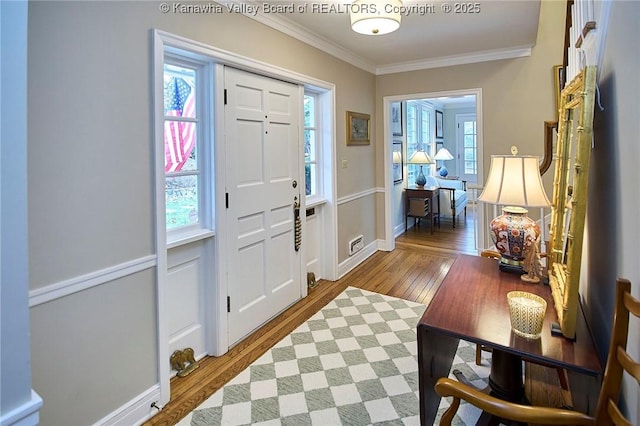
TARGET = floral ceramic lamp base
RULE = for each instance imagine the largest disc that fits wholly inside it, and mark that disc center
(512, 232)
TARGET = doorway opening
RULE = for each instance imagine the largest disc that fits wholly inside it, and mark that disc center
(430, 122)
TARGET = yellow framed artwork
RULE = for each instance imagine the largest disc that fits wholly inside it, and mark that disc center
(358, 128)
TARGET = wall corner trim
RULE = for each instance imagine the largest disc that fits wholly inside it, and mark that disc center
(27, 414)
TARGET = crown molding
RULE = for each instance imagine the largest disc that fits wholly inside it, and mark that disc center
(298, 32)
(313, 39)
(447, 61)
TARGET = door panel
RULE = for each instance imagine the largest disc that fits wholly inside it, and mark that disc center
(187, 270)
(262, 152)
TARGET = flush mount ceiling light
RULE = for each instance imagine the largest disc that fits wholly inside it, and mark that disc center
(375, 17)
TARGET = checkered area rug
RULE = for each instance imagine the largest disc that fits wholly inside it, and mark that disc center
(352, 363)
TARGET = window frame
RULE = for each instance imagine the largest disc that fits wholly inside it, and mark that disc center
(317, 197)
(421, 107)
(204, 150)
(461, 118)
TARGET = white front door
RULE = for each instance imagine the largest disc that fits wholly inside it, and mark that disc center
(262, 119)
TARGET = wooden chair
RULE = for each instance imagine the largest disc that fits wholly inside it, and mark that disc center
(606, 413)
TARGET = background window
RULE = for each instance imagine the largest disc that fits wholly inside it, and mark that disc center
(419, 135)
(470, 148)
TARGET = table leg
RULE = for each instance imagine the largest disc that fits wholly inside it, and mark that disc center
(438, 202)
(505, 382)
(435, 357)
(584, 391)
(505, 379)
(431, 215)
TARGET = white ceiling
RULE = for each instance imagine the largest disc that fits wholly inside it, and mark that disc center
(501, 29)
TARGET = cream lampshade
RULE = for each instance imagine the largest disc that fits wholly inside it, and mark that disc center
(375, 17)
(514, 182)
(443, 154)
(421, 158)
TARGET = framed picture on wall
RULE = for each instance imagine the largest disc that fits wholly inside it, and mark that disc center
(439, 129)
(398, 165)
(396, 118)
(558, 85)
(358, 128)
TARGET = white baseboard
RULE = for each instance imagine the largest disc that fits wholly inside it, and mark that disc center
(353, 261)
(398, 230)
(136, 411)
(28, 414)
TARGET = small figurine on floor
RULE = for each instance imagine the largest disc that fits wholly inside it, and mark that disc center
(532, 263)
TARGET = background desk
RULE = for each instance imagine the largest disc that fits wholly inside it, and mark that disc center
(471, 304)
(432, 208)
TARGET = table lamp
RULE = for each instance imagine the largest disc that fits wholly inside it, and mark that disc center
(443, 155)
(515, 183)
(421, 158)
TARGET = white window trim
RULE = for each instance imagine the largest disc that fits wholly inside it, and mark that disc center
(460, 160)
(204, 93)
(318, 197)
(421, 108)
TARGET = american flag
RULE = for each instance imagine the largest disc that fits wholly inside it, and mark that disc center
(179, 136)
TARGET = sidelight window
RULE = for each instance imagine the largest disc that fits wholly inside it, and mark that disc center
(181, 165)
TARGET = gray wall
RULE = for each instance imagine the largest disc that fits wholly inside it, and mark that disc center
(613, 229)
(95, 350)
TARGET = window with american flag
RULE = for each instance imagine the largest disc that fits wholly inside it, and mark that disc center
(181, 165)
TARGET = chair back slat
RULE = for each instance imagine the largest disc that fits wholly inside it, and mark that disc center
(632, 304)
(630, 366)
(618, 360)
(616, 416)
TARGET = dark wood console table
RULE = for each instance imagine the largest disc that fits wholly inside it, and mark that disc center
(471, 304)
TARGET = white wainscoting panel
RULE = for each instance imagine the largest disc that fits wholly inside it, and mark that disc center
(185, 292)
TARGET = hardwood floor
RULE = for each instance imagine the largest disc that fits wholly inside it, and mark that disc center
(413, 271)
(445, 237)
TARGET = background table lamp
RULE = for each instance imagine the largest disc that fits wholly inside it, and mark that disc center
(421, 158)
(514, 182)
(443, 155)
